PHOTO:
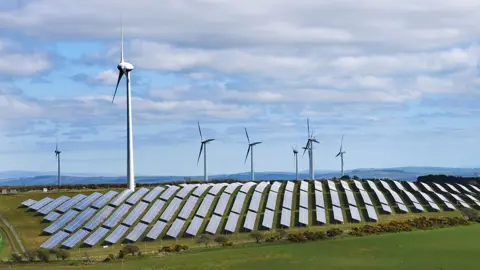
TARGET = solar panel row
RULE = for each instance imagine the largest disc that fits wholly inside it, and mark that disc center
(168, 193)
(99, 218)
(135, 197)
(188, 207)
(255, 201)
(261, 187)
(200, 190)
(286, 217)
(452, 187)
(87, 201)
(135, 214)
(231, 222)
(365, 197)
(59, 223)
(40, 204)
(331, 185)
(52, 205)
(247, 186)
(96, 236)
(194, 226)
(102, 201)
(272, 200)
(28, 202)
(250, 220)
(413, 186)
(335, 198)
(153, 194)
(475, 188)
(303, 216)
(337, 214)
(464, 188)
(304, 186)
(398, 185)
(372, 214)
(303, 199)
(64, 207)
(354, 213)
(176, 228)
(319, 198)
(153, 211)
(75, 238)
(136, 232)
(54, 240)
(80, 220)
(320, 215)
(287, 200)
(275, 186)
(120, 198)
(345, 185)
(290, 186)
(358, 185)
(350, 198)
(217, 188)
(171, 209)
(52, 216)
(268, 219)
(156, 230)
(442, 189)
(222, 204)
(117, 216)
(238, 203)
(182, 193)
(318, 185)
(212, 226)
(205, 205)
(116, 234)
(427, 187)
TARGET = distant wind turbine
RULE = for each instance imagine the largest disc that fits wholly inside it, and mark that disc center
(57, 155)
(250, 149)
(125, 68)
(341, 153)
(309, 146)
(203, 146)
(295, 156)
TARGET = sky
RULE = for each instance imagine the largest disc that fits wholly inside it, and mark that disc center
(399, 79)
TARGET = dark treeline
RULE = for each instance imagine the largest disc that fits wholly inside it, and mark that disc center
(442, 178)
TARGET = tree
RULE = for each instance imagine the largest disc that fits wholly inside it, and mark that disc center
(62, 254)
(471, 214)
(43, 255)
(346, 176)
(356, 177)
(280, 234)
(132, 249)
(30, 254)
(257, 236)
(121, 254)
(220, 239)
(204, 239)
(17, 257)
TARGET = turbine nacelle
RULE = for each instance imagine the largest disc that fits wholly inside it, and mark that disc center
(207, 141)
(255, 143)
(125, 67)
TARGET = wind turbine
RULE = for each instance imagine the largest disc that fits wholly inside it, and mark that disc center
(250, 149)
(57, 155)
(203, 146)
(309, 146)
(341, 153)
(295, 156)
(125, 68)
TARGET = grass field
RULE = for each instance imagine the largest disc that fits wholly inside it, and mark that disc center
(451, 248)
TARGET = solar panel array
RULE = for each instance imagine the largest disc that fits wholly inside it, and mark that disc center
(396, 197)
(87, 201)
(381, 198)
(52, 205)
(64, 207)
(102, 201)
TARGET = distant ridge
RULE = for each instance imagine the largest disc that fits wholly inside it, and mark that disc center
(26, 178)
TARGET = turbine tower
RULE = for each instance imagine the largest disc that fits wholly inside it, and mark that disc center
(309, 146)
(341, 153)
(203, 146)
(57, 155)
(295, 156)
(125, 68)
(250, 149)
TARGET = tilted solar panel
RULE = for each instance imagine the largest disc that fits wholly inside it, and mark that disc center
(464, 204)
(350, 198)
(188, 207)
(182, 193)
(272, 200)
(171, 209)
(365, 197)
(402, 207)
(200, 190)
(464, 188)
(59, 223)
(212, 226)
(426, 197)
(156, 230)
(239, 202)
(442, 189)
(372, 214)
(117, 234)
(41, 203)
(167, 194)
(87, 201)
(449, 205)
(320, 215)
(117, 216)
(232, 222)
(52, 205)
(135, 197)
(304, 186)
(427, 187)
(99, 217)
(386, 208)
(418, 206)
(345, 185)
(413, 186)
(433, 205)
(475, 188)
(385, 185)
(255, 201)
(456, 197)
(335, 198)
(176, 228)
(411, 197)
(250, 220)
(222, 204)
(54, 240)
(120, 198)
(337, 214)
(135, 214)
(275, 186)
(153, 211)
(64, 207)
(303, 216)
(372, 185)
(380, 196)
(286, 217)
(319, 198)
(216, 188)
(102, 201)
(398, 185)
(153, 194)
(75, 238)
(137, 231)
(93, 239)
(52, 216)
(268, 219)
(28, 202)
(473, 199)
(331, 185)
(355, 215)
(358, 185)
(395, 196)
(318, 185)
(205, 206)
(303, 199)
(80, 220)
(287, 200)
(261, 187)
(443, 198)
(290, 186)
(247, 186)
(452, 188)
(194, 226)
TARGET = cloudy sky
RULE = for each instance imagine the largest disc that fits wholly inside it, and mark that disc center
(399, 78)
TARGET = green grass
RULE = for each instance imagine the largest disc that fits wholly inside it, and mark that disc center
(450, 248)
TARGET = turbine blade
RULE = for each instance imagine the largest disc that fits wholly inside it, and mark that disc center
(200, 153)
(246, 133)
(120, 74)
(338, 154)
(121, 50)
(200, 131)
(248, 151)
(308, 128)
(304, 150)
(341, 144)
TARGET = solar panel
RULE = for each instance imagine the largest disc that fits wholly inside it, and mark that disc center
(135, 214)
(102, 201)
(413, 186)
(206, 205)
(372, 214)
(337, 214)
(153, 211)
(350, 198)
(200, 190)
(286, 217)
(54, 240)
(153, 194)
(456, 197)
(188, 207)
(385, 185)
(426, 197)
(443, 198)
(75, 238)
(28, 202)
(442, 189)
(99, 217)
(335, 198)
(216, 189)
(473, 199)
(246, 187)
(464, 188)
(116, 234)
(290, 186)
(395, 196)
(427, 187)
(464, 204)
(255, 202)
(372, 185)
(452, 187)
(176, 228)
(434, 205)
(402, 207)
(93, 239)
(275, 186)
(380, 196)
(171, 209)
(167, 194)
(157, 229)
(354, 213)
(268, 219)
(411, 197)
(120, 198)
(399, 185)
(358, 185)
(320, 215)
(52, 216)
(345, 185)
(365, 197)
(386, 208)
(475, 188)
(137, 196)
(231, 222)
(80, 220)
(319, 198)
(212, 226)
(59, 223)
(303, 216)
(52, 205)
(194, 226)
(70, 203)
(303, 199)
(222, 204)
(136, 232)
(331, 185)
(418, 206)
(41, 203)
(261, 187)
(449, 205)
(287, 200)
(185, 191)
(304, 186)
(318, 185)
(272, 200)
(250, 220)
(87, 201)
(117, 216)
(238, 203)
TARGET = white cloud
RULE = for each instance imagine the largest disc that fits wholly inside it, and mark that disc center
(21, 63)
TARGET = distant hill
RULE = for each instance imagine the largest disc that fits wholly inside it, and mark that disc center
(24, 178)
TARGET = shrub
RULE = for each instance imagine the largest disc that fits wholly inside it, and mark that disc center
(130, 249)
(109, 258)
(334, 232)
(297, 237)
(280, 234)
(270, 239)
(30, 254)
(321, 235)
(204, 239)
(221, 239)
(185, 247)
(228, 243)
(16, 257)
(257, 236)
(167, 249)
(62, 254)
(43, 255)
(121, 254)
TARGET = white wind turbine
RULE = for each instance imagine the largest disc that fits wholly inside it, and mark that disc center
(57, 155)
(309, 146)
(203, 146)
(341, 153)
(125, 68)
(250, 149)
(295, 156)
